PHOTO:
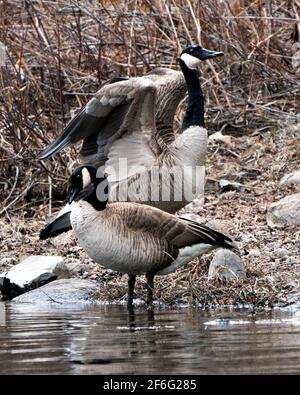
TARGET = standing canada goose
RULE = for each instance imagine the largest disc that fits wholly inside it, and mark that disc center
(103, 119)
(134, 238)
(133, 119)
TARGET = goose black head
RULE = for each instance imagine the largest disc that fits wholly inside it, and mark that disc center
(90, 184)
(193, 55)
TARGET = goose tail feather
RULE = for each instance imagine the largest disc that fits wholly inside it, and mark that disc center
(61, 224)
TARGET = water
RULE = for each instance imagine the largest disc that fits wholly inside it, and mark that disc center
(107, 339)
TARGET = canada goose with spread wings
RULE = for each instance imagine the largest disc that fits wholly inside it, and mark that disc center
(113, 123)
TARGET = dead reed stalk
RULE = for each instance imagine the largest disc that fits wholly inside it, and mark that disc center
(59, 52)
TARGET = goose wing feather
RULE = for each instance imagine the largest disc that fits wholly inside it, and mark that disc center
(178, 231)
(117, 101)
(196, 232)
(105, 113)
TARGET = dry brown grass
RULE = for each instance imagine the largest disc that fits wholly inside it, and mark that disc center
(59, 52)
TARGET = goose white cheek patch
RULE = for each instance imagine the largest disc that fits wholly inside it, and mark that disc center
(191, 61)
(86, 178)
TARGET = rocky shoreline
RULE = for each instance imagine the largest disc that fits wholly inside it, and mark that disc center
(253, 194)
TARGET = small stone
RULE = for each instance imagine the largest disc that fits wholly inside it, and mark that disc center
(31, 273)
(226, 186)
(254, 252)
(7, 261)
(285, 212)
(290, 179)
(226, 265)
(61, 292)
(196, 205)
(291, 285)
(218, 137)
(282, 253)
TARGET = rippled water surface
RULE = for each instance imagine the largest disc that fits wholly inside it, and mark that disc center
(109, 339)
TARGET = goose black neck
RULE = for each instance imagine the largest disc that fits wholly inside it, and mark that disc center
(194, 115)
(98, 198)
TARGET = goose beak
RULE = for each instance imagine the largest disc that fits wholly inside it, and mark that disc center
(76, 194)
(73, 193)
(207, 54)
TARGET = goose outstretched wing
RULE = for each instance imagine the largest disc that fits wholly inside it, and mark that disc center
(118, 122)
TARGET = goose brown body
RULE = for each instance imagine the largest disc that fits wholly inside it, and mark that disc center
(136, 239)
(119, 237)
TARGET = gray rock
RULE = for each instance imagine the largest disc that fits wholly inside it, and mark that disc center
(226, 186)
(290, 179)
(222, 185)
(64, 291)
(32, 273)
(285, 212)
(226, 265)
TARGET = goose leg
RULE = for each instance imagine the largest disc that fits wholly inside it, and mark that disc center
(131, 283)
(150, 288)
